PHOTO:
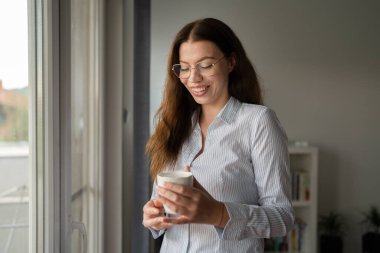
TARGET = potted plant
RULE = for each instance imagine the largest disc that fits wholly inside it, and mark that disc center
(371, 239)
(331, 227)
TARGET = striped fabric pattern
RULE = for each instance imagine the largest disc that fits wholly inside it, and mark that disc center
(245, 164)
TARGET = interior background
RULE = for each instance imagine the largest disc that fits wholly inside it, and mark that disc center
(319, 66)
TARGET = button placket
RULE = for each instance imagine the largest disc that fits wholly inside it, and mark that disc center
(195, 145)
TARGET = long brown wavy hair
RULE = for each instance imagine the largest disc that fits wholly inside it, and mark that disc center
(173, 118)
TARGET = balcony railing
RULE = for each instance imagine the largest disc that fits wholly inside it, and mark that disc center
(14, 194)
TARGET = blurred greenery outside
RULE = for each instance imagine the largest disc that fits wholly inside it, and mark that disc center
(14, 116)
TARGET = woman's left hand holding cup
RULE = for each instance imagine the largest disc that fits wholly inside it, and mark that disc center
(153, 215)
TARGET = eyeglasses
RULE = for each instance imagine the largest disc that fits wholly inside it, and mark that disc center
(205, 68)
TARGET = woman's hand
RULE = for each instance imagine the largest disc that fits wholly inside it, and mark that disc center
(192, 204)
(153, 215)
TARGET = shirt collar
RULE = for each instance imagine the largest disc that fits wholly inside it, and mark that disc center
(229, 111)
(227, 114)
(195, 117)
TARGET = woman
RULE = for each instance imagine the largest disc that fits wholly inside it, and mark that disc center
(211, 122)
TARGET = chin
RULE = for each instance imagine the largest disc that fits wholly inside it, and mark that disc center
(200, 101)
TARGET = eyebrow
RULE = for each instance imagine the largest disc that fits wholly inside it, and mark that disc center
(201, 59)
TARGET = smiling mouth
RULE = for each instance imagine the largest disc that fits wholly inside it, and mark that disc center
(199, 89)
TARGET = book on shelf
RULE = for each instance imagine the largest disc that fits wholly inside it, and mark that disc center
(300, 185)
(291, 242)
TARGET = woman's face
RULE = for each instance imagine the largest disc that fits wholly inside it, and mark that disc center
(207, 83)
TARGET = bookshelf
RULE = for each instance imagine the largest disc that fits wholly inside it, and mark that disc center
(304, 168)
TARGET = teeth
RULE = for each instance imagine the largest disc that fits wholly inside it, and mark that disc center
(199, 89)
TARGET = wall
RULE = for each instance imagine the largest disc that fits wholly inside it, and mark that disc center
(319, 65)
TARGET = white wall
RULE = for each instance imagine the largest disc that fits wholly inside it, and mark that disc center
(319, 64)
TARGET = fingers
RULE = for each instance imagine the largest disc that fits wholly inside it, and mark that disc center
(179, 207)
(152, 211)
(157, 223)
(177, 188)
(167, 196)
(153, 203)
(153, 215)
(153, 208)
(157, 203)
(165, 222)
(178, 220)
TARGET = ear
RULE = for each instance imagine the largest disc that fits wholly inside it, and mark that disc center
(231, 62)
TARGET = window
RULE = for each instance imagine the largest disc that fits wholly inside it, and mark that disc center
(86, 128)
(51, 127)
(14, 147)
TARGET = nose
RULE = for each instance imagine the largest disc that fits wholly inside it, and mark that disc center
(195, 75)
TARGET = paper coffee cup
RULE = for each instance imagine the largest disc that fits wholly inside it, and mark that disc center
(175, 177)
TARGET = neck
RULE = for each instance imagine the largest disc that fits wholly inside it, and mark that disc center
(209, 112)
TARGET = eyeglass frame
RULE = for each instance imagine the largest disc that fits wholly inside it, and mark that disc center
(198, 68)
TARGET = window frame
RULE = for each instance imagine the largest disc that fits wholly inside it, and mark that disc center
(44, 126)
(50, 127)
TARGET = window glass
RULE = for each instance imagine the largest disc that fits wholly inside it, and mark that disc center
(86, 122)
(14, 152)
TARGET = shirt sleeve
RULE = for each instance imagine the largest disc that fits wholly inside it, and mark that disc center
(273, 216)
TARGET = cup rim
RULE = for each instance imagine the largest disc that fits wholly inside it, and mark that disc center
(176, 173)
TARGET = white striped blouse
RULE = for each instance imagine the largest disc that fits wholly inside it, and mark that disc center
(245, 164)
